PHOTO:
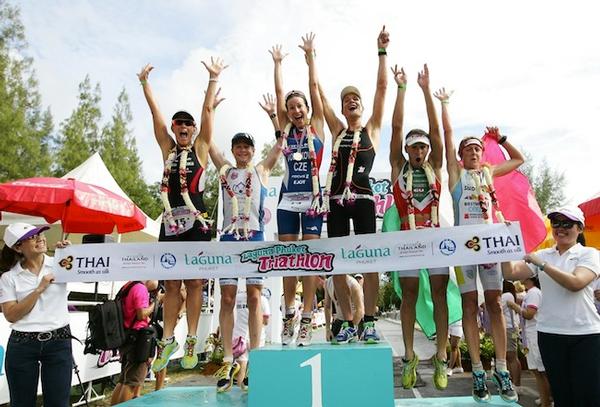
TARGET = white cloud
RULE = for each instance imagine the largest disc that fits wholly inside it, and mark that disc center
(530, 67)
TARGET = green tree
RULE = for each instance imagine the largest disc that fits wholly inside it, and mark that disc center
(119, 152)
(79, 135)
(211, 196)
(278, 168)
(24, 126)
(547, 183)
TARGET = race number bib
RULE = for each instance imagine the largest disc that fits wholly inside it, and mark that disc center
(295, 201)
(183, 217)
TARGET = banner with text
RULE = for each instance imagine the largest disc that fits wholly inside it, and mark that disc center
(378, 252)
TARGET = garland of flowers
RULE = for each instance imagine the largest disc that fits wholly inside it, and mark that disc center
(488, 188)
(347, 194)
(245, 217)
(434, 193)
(174, 227)
(315, 207)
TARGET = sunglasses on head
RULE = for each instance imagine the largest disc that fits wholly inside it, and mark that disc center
(565, 224)
(183, 122)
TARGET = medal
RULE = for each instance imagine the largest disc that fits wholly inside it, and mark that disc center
(297, 156)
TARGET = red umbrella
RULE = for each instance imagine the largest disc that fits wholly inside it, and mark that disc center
(81, 207)
(591, 210)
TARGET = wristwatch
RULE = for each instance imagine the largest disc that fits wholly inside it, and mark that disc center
(542, 266)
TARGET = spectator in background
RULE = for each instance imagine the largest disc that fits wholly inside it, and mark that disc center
(333, 310)
(137, 310)
(597, 294)
(36, 308)
(455, 332)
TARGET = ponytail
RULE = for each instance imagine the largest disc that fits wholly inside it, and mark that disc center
(8, 258)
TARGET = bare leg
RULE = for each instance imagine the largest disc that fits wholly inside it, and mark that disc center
(470, 328)
(342, 293)
(160, 379)
(289, 283)
(193, 303)
(439, 285)
(371, 290)
(410, 292)
(494, 308)
(454, 352)
(514, 367)
(228, 294)
(254, 314)
(309, 284)
(171, 306)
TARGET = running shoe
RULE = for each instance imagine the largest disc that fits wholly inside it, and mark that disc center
(369, 334)
(289, 329)
(190, 358)
(440, 374)
(164, 351)
(346, 335)
(409, 372)
(505, 386)
(304, 334)
(225, 375)
(481, 394)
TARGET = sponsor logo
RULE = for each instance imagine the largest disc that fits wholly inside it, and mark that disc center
(503, 244)
(473, 244)
(411, 249)
(134, 261)
(201, 259)
(365, 255)
(288, 257)
(66, 263)
(447, 247)
(168, 260)
(86, 265)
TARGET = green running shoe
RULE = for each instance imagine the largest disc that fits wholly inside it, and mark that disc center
(164, 351)
(440, 374)
(409, 372)
(190, 358)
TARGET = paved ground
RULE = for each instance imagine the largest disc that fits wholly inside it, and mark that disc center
(459, 384)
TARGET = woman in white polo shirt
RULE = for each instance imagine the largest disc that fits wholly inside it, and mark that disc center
(567, 322)
(36, 307)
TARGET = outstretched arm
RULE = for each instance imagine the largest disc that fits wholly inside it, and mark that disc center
(397, 159)
(435, 157)
(335, 125)
(165, 142)
(278, 55)
(216, 156)
(515, 160)
(317, 118)
(202, 142)
(374, 123)
(452, 163)
(270, 160)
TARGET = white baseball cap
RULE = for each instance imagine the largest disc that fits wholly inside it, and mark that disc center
(17, 232)
(570, 212)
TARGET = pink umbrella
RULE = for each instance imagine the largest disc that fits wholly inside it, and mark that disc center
(81, 207)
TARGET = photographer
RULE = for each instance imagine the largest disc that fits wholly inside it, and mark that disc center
(135, 356)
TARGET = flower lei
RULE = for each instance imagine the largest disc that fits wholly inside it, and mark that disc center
(347, 194)
(245, 217)
(174, 227)
(315, 208)
(434, 193)
(488, 188)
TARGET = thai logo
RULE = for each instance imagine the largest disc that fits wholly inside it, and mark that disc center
(202, 259)
(168, 260)
(447, 247)
(365, 253)
(66, 263)
(473, 244)
(288, 257)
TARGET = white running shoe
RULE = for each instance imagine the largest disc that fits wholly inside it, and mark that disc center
(289, 329)
(304, 334)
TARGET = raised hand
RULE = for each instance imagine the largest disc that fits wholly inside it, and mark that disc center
(399, 76)
(443, 95)
(423, 77)
(308, 47)
(277, 53)
(493, 132)
(215, 68)
(383, 39)
(268, 104)
(218, 99)
(144, 73)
